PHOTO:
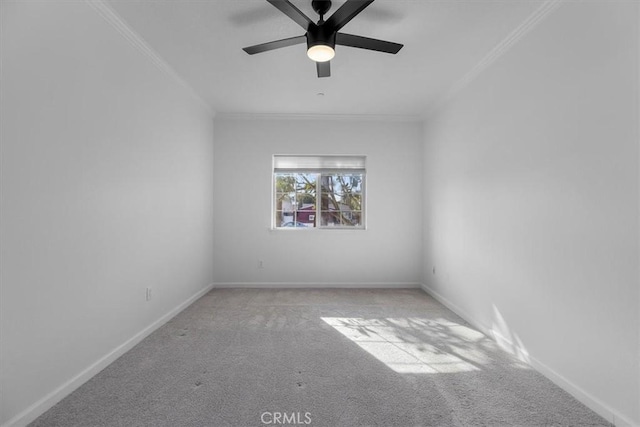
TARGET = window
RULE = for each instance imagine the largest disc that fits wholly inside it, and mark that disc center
(318, 192)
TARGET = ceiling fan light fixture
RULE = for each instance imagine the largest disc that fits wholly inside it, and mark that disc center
(321, 53)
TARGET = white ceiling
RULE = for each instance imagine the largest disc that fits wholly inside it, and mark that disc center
(444, 40)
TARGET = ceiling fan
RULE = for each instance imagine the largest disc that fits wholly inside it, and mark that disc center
(322, 37)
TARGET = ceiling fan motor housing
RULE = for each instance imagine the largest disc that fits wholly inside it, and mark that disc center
(320, 35)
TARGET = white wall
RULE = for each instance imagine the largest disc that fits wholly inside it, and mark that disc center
(531, 202)
(387, 253)
(106, 189)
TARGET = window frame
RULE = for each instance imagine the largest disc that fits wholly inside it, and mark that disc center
(319, 172)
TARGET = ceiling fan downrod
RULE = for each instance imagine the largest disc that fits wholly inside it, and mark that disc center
(321, 7)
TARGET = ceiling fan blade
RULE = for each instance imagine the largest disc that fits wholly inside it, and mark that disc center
(277, 44)
(346, 13)
(367, 43)
(292, 12)
(324, 69)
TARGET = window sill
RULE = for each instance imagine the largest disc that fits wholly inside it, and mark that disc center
(311, 229)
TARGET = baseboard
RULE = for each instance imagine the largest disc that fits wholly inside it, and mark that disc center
(40, 407)
(312, 285)
(593, 403)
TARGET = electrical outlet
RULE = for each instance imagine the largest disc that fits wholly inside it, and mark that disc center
(149, 295)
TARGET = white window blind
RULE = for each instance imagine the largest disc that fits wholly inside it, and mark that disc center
(334, 163)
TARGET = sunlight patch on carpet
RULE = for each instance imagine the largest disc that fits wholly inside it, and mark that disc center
(406, 345)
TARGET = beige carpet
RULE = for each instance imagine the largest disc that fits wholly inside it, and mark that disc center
(330, 357)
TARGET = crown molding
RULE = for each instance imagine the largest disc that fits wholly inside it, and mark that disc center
(320, 117)
(135, 40)
(500, 49)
